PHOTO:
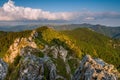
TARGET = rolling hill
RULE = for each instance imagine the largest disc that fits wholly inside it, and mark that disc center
(113, 32)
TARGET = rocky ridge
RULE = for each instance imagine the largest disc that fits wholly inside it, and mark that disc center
(53, 63)
(89, 68)
(34, 67)
(19, 43)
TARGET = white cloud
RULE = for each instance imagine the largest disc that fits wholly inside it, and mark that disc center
(89, 18)
(11, 12)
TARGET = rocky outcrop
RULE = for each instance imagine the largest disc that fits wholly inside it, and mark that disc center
(56, 51)
(3, 69)
(33, 66)
(36, 68)
(19, 43)
(95, 69)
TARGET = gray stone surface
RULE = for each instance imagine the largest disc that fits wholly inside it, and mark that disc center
(34, 68)
(3, 69)
(95, 69)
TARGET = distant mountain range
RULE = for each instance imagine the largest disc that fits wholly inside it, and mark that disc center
(113, 32)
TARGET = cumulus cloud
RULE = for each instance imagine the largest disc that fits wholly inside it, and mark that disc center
(10, 12)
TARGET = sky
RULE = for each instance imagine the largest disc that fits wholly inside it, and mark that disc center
(105, 12)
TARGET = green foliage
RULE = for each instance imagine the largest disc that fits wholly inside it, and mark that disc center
(15, 74)
(13, 69)
(40, 41)
(16, 61)
(97, 45)
(74, 64)
(61, 69)
(113, 32)
(49, 35)
(46, 73)
(59, 43)
(38, 54)
(8, 38)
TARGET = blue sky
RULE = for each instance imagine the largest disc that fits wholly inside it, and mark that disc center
(69, 5)
(105, 12)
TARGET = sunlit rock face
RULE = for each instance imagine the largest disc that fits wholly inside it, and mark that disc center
(19, 43)
(3, 69)
(95, 69)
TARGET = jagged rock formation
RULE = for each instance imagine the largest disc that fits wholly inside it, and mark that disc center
(56, 51)
(33, 68)
(19, 43)
(3, 69)
(36, 68)
(55, 61)
(35, 65)
(95, 69)
(40, 67)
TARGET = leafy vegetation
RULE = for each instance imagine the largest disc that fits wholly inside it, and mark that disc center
(97, 45)
(13, 69)
(74, 64)
(60, 69)
(7, 38)
(49, 35)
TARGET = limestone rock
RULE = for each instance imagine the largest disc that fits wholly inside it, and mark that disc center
(19, 43)
(56, 51)
(34, 68)
(31, 68)
(3, 69)
(95, 69)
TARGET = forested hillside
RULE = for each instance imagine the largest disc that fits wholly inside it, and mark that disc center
(96, 45)
(111, 31)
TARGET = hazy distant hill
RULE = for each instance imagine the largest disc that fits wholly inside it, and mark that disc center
(18, 28)
(113, 32)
